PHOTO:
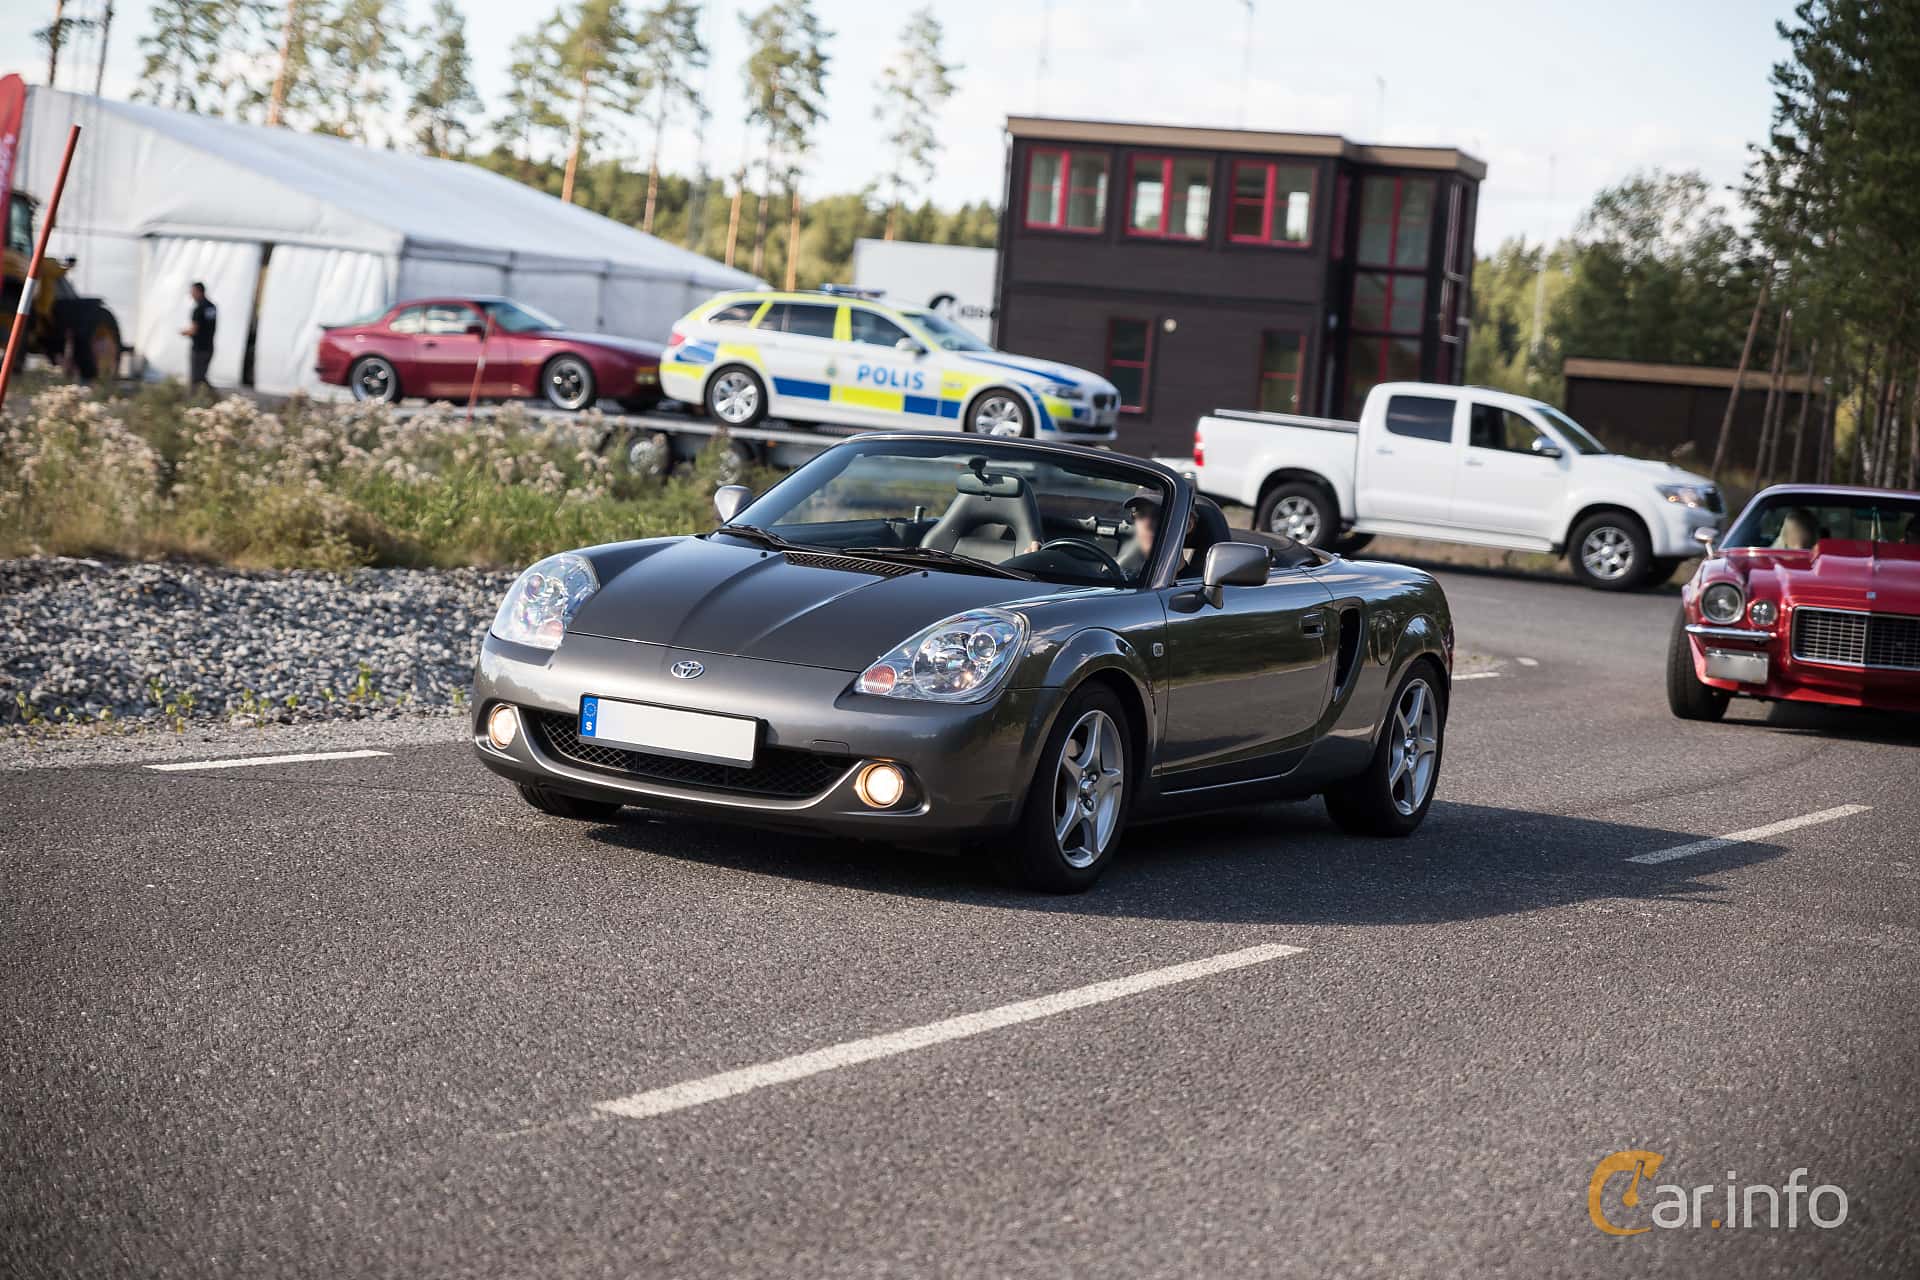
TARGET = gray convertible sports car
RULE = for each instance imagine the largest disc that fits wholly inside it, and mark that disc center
(934, 640)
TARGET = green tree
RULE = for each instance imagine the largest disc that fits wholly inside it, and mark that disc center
(357, 55)
(527, 110)
(597, 54)
(913, 88)
(670, 52)
(1501, 351)
(785, 73)
(441, 97)
(182, 53)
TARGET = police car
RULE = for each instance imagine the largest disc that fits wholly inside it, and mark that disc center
(841, 356)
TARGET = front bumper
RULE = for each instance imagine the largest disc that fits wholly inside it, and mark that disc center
(968, 766)
(1760, 664)
(1672, 532)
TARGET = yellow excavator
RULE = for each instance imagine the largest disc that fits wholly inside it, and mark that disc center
(77, 333)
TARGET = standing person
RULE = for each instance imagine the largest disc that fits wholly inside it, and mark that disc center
(204, 319)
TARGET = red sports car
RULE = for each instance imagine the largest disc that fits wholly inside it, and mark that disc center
(434, 347)
(1812, 596)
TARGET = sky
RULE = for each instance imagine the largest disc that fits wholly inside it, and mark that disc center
(1559, 98)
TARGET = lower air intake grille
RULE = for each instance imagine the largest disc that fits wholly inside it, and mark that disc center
(779, 771)
(1884, 640)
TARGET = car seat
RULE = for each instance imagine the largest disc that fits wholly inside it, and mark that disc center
(992, 516)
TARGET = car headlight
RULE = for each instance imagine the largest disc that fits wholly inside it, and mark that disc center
(1688, 495)
(1061, 391)
(963, 659)
(1763, 613)
(1722, 602)
(543, 600)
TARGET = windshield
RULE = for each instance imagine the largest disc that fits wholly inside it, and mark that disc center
(1578, 436)
(945, 333)
(1796, 521)
(1057, 517)
(511, 317)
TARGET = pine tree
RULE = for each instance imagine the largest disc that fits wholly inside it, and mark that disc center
(182, 53)
(441, 98)
(670, 52)
(785, 75)
(912, 90)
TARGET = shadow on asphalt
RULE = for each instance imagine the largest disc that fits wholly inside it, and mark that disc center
(1668, 587)
(1813, 720)
(1279, 864)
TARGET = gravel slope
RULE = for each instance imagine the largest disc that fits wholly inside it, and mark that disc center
(82, 640)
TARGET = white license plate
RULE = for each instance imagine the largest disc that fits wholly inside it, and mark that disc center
(695, 735)
(1731, 664)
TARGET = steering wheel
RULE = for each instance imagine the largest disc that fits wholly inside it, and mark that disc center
(1089, 551)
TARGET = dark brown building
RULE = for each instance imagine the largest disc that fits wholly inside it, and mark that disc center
(1203, 269)
(1674, 411)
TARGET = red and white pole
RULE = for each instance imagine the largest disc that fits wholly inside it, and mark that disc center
(480, 366)
(17, 337)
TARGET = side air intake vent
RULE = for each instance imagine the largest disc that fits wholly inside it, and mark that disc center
(1347, 656)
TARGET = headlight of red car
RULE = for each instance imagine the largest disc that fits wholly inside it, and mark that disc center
(1763, 613)
(1721, 603)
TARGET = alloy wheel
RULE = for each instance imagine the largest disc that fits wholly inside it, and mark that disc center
(997, 416)
(567, 384)
(736, 398)
(374, 381)
(1607, 553)
(1089, 786)
(1296, 518)
(1414, 749)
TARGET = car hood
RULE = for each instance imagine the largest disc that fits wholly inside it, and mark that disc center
(1839, 573)
(612, 342)
(715, 595)
(1644, 469)
(1032, 372)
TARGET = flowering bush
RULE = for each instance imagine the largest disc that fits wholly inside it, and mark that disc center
(320, 485)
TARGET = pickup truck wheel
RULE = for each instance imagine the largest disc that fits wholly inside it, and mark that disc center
(1687, 697)
(1299, 511)
(1610, 552)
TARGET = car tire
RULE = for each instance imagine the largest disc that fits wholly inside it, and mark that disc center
(1068, 830)
(567, 383)
(1687, 697)
(565, 806)
(650, 455)
(1296, 505)
(736, 396)
(1376, 803)
(374, 380)
(1610, 551)
(999, 412)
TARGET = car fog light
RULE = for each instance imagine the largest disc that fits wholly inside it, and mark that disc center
(1764, 613)
(880, 786)
(502, 726)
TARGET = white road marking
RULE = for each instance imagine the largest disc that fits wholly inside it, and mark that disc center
(1528, 662)
(1478, 675)
(693, 1093)
(1750, 835)
(245, 761)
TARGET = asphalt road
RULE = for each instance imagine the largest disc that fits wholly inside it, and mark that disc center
(352, 1017)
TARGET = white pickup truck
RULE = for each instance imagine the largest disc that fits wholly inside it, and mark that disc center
(1459, 464)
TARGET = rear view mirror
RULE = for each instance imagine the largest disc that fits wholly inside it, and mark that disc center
(1234, 564)
(728, 499)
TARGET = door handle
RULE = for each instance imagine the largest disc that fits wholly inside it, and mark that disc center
(1313, 625)
(1382, 449)
(1475, 462)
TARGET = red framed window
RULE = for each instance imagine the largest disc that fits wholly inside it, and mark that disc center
(1372, 360)
(1067, 189)
(1130, 360)
(1396, 222)
(1283, 359)
(1168, 196)
(1272, 203)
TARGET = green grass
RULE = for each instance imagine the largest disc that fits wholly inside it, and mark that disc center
(320, 486)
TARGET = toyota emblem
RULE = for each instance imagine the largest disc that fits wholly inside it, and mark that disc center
(687, 670)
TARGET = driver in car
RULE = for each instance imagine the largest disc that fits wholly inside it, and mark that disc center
(1145, 509)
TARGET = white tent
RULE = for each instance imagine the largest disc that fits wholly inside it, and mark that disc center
(158, 199)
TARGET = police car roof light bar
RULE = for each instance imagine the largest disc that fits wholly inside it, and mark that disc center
(849, 291)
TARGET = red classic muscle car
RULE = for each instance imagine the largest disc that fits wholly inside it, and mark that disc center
(1812, 596)
(434, 348)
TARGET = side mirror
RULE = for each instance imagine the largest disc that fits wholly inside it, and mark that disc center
(910, 346)
(1706, 538)
(1544, 448)
(728, 499)
(1234, 564)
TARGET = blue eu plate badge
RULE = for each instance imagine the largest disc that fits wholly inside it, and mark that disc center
(589, 713)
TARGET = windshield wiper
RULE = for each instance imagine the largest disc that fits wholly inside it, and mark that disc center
(934, 555)
(766, 537)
